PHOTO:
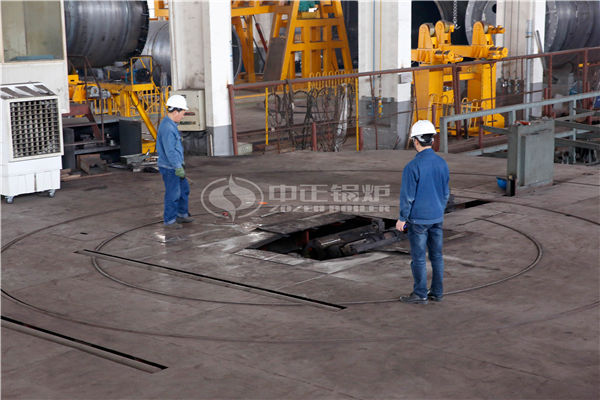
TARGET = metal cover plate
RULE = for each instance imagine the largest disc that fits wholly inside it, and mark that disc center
(306, 223)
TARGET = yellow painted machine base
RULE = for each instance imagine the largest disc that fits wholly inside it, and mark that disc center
(148, 146)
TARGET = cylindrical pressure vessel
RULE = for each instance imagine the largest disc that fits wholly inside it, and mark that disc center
(105, 31)
(158, 46)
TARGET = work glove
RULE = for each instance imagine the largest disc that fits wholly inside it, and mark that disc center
(180, 172)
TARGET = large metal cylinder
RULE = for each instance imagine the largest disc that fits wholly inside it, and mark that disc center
(484, 11)
(158, 45)
(569, 24)
(105, 31)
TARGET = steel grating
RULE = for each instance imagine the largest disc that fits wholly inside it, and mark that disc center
(35, 127)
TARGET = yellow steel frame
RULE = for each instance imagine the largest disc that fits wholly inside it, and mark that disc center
(433, 89)
(245, 8)
(243, 27)
(127, 99)
(161, 9)
(315, 42)
(308, 33)
(242, 13)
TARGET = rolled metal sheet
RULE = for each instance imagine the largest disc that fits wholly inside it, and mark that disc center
(236, 53)
(569, 24)
(484, 11)
(594, 39)
(105, 31)
(158, 45)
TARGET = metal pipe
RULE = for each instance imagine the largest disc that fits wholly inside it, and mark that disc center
(480, 120)
(233, 120)
(260, 34)
(506, 109)
(585, 75)
(360, 139)
(550, 108)
(456, 89)
(266, 116)
(314, 136)
(528, 78)
(356, 122)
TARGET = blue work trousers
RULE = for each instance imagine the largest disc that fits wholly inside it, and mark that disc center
(177, 191)
(427, 238)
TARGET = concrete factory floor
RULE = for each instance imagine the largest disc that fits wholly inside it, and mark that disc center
(520, 319)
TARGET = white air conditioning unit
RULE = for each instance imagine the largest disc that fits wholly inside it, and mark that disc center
(31, 140)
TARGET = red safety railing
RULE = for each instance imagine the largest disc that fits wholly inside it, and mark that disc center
(322, 113)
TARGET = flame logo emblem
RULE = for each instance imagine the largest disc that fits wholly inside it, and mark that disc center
(232, 196)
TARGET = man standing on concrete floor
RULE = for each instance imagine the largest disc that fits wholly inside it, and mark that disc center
(423, 199)
(170, 164)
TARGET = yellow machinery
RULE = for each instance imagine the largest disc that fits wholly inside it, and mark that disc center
(308, 31)
(127, 98)
(317, 32)
(435, 90)
(242, 14)
(161, 9)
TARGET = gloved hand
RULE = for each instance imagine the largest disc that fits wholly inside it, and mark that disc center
(180, 172)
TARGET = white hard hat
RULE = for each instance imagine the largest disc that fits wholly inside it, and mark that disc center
(422, 127)
(177, 101)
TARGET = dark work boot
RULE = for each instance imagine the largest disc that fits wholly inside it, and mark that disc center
(433, 297)
(413, 299)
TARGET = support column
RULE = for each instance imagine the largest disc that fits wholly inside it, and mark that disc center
(218, 68)
(516, 16)
(185, 29)
(202, 59)
(384, 43)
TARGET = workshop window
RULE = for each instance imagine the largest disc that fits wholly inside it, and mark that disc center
(31, 30)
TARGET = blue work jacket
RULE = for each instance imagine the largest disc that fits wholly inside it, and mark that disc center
(168, 145)
(425, 190)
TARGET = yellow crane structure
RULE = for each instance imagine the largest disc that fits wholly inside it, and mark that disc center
(435, 89)
(312, 33)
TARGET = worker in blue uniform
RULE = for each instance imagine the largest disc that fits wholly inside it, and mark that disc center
(423, 197)
(171, 163)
